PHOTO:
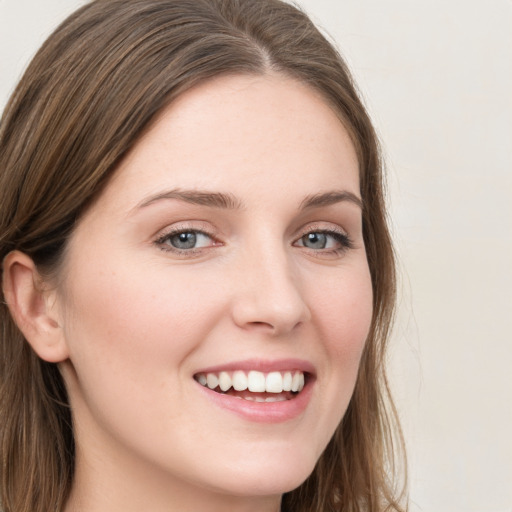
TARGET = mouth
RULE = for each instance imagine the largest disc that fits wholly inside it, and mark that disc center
(255, 386)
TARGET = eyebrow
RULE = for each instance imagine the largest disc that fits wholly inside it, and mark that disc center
(202, 198)
(231, 202)
(329, 198)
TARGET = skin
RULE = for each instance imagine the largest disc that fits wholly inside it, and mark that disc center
(137, 319)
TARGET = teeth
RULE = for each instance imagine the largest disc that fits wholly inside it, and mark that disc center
(301, 381)
(274, 383)
(268, 400)
(239, 381)
(295, 382)
(287, 381)
(224, 381)
(275, 399)
(254, 381)
(212, 381)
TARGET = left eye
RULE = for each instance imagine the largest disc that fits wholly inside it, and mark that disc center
(185, 240)
(324, 240)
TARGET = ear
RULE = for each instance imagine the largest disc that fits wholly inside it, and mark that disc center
(33, 305)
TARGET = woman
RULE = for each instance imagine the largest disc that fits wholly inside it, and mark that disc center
(197, 275)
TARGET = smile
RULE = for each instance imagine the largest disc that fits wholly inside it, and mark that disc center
(255, 385)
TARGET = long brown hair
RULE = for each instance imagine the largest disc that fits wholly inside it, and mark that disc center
(89, 94)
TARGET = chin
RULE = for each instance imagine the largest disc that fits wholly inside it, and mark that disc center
(275, 475)
(263, 484)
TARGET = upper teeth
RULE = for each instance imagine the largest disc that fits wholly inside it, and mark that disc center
(273, 382)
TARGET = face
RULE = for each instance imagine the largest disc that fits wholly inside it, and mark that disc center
(226, 252)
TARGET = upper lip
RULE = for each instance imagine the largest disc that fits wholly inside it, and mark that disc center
(262, 365)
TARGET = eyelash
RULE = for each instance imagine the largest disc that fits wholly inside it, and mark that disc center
(340, 237)
(163, 241)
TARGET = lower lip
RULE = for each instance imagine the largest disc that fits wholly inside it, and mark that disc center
(262, 412)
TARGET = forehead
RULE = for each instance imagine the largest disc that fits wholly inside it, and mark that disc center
(260, 134)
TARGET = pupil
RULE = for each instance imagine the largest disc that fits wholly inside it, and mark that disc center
(315, 240)
(184, 240)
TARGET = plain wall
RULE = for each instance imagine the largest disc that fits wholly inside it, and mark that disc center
(437, 79)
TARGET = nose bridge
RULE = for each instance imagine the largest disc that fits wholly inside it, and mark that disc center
(269, 294)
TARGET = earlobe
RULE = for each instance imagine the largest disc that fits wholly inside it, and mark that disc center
(33, 307)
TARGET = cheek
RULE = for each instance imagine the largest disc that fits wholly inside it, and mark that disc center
(343, 310)
(343, 316)
(133, 328)
(124, 307)
(130, 335)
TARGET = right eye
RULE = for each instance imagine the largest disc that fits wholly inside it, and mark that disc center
(185, 240)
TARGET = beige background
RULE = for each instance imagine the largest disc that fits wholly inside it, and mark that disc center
(437, 78)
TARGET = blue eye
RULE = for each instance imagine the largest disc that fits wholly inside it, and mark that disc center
(185, 240)
(325, 240)
(315, 240)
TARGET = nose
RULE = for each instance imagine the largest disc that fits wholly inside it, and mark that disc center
(269, 296)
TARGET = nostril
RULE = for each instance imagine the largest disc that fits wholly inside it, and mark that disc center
(262, 324)
(259, 325)
(271, 328)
